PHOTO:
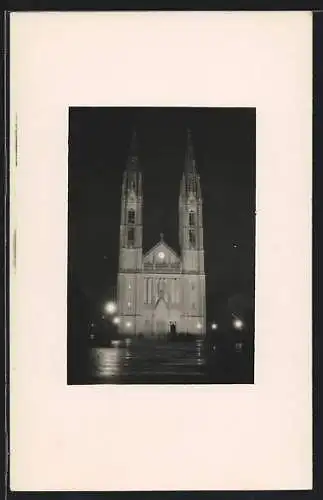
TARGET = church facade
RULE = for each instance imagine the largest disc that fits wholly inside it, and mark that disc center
(161, 290)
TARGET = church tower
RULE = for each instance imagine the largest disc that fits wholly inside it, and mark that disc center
(191, 243)
(130, 254)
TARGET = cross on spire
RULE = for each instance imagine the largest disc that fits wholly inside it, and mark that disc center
(161, 236)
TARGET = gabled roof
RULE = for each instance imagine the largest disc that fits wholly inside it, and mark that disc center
(161, 244)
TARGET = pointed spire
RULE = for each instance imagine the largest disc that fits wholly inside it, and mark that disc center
(132, 177)
(189, 157)
(133, 152)
(133, 146)
(190, 184)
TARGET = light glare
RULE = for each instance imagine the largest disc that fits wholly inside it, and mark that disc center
(110, 307)
(238, 324)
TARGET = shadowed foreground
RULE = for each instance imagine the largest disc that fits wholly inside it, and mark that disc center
(146, 361)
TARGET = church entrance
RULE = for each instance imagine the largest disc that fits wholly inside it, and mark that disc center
(161, 327)
(161, 318)
(172, 328)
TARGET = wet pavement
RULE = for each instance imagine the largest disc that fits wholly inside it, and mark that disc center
(162, 362)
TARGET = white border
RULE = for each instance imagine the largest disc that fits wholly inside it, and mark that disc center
(160, 438)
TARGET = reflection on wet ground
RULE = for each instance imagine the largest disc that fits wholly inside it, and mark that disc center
(144, 362)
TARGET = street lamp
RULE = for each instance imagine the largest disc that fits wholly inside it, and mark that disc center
(214, 326)
(116, 320)
(238, 324)
(110, 307)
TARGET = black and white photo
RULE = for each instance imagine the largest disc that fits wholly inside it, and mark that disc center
(161, 245)
(160, 251)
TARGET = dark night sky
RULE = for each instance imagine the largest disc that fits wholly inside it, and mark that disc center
(224, 141)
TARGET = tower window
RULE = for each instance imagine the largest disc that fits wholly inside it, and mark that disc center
(191, 218)
(131, 216)
(191, 237)
(131, 236)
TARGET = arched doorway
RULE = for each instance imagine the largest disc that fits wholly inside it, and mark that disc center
(172, 327)
(161, 318)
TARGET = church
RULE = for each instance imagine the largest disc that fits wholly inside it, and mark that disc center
(160, 290)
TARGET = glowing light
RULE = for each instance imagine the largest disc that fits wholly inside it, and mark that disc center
(199, 326)
(128, 324)
(214, 326)
(116, 320)
(161, 255)
(238, 323)
(111, 307)
(129, 304)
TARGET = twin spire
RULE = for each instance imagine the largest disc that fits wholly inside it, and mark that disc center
(190, 184)
(132, 178)
(133, 153)
(190, 164)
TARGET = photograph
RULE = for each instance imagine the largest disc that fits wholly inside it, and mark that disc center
(161, 245)
(160, 251)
